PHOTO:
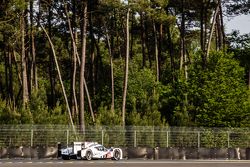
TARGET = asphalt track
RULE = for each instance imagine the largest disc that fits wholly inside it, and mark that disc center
(123, 163)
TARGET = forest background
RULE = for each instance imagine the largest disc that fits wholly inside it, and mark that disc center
(134, 62)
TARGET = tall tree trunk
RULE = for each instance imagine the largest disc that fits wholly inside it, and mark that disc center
(212, 30)
(171, 53)
(143, 43)
(52, 63)
(203, 32)
(74, 105)
(160, 57)
(33, 49)
(82, 67)
(156, 52)
(6, 68)
(183, 57)
(183, 54)
(8, 74)
(19, 74)
(218, 31)
(125, 83)
(131, 36)
(182, 37)
(93, 66)
(24, 62)
(222, 28)
(218, 34)
(148, 46)
(111, 71)
(10, 86)
(206, 27)
(74, 37)
(202, 28)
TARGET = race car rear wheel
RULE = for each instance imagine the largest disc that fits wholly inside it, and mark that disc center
(89, 155)
(66, 157)
(117, 155)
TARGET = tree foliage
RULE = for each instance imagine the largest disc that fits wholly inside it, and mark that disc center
(218, 94)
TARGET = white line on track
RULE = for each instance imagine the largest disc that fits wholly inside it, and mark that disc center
(188, 162)
(132, 162)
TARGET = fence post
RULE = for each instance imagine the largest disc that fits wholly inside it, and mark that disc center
(153, 137)
(199, 139)
(228, 139)
(31, 137)
(167, 138)
(135, 139)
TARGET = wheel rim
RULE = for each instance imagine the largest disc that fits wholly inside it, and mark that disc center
(117, 155)
(89, 155)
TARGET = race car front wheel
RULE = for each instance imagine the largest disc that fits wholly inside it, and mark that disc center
(89, 155)
(117, 155)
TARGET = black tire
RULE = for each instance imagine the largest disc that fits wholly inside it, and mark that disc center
(66, 157)
(117, 155)
(89, 155)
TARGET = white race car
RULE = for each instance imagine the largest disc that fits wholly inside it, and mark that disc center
(91, 150)
(98, 151)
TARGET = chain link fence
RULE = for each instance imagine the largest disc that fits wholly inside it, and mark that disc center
(130, 136)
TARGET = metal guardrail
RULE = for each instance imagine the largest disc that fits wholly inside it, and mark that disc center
(130, 136)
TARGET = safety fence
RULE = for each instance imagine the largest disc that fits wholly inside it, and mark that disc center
(41, 141)
(130, 136)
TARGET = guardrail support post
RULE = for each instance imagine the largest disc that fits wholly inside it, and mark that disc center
(199, 139)
(228, 139)
(167, 138)
(135, 139)
(31, 138)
